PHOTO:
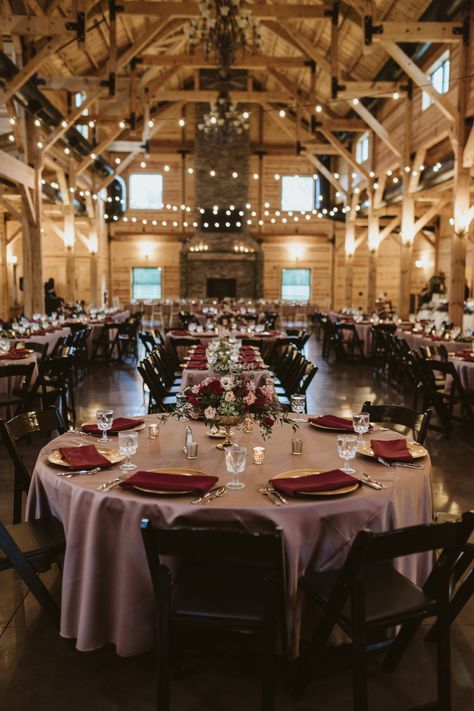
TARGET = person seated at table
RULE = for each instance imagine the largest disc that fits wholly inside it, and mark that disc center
(52, 301)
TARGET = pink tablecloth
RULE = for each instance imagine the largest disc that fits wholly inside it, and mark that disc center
(107, 595)
(49, 338)
(466, 372)
(416, 340)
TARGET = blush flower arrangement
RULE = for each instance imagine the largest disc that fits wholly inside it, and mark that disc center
(234, 396)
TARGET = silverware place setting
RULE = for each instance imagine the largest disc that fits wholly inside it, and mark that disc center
(373, 483)
(275, 497)
(210, 495)
(79, 472)
(110, 484)
(407, 465)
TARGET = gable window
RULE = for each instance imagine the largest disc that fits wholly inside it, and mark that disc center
(79, 98)
(362, 148)
(439, 79)
(145, 191)
(146, 283)
(295, 284)
(297, 193)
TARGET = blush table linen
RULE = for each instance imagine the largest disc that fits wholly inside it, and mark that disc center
(107, 595)
(8, 384)
(415, 340)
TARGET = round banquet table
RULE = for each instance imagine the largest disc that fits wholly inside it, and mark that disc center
(50, 337)
(107, 595)
(8, 384)
(465, 370)
(415, 340)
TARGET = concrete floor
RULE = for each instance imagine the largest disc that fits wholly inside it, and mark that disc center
(38, 670)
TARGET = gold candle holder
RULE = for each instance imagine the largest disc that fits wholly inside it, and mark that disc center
(248, 424)
(258, 455)
(153, 431)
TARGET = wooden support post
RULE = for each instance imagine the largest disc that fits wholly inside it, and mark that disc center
(457, 277)
(4, 304)
(33, 287)
(69, 243)
(349, 251)
(373, 245)
(408, 223)
(94, 280)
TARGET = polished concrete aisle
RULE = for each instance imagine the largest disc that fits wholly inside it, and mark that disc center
(38, 670)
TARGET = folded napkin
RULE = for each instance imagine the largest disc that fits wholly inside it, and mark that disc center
(84, 457)
(14, 354)
(196, 365)
(468, 358)
(393, 450)
(340, 423)
(180, 332)
(325, 481)
(118, 425)
(162, 481)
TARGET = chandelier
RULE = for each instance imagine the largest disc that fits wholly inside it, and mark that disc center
(224, 28)
(223, 119)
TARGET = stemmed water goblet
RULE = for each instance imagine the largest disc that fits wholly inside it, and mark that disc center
(104, 420)
(128, 445)
(298, 405)
(360, 424)
(235, 460)
(346, 447)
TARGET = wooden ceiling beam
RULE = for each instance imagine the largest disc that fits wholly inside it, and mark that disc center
(419, 32)
(377, 128)
(329, 136)
(16, 171)
(420, 79)
(283, 28)
(198, 60)
(31, 25)
(376, 89)
(388, 229)
(427, 216)
(261, 11)
(70, 119)
(200, 95)
(324, 170)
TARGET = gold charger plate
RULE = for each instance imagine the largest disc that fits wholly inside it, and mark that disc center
(165, 492)
(416, 450)
(131, 429)
(113, 455)
(298, 473)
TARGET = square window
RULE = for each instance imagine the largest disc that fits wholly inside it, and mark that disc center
(296, 284)
(297, 193)
(146, 283)
(362, 148)
(145, 191)
(439, 79)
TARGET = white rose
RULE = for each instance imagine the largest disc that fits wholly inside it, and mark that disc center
(210, 413)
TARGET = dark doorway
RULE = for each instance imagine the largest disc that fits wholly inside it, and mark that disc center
(221, 288)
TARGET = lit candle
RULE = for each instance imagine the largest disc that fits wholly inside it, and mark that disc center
(258, 455)
(153, 431)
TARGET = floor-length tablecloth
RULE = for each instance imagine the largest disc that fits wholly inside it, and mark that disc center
(9, 383)
(107, 594)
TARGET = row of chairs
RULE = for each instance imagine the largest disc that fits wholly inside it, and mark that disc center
(117, 341)
(292, 373)
(429, 375)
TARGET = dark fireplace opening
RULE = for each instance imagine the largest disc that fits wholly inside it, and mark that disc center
(221, 288)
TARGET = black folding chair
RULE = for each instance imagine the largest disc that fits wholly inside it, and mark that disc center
(368, 593)
(402, 416)
(226, 579)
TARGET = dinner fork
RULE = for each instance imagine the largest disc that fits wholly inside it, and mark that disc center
(265, 492)
(110, 484)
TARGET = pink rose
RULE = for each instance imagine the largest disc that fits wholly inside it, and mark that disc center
(229, 396)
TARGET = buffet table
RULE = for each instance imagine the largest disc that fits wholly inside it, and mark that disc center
(107, 595)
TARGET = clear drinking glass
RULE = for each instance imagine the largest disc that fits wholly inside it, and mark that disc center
(235, 460)
(361, 424)
(346, 447)
(4, 345)
(104, 419)
(298, 405)
(128, 445)
(181, 402)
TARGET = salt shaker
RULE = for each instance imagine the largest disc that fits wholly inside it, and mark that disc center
(188, 438)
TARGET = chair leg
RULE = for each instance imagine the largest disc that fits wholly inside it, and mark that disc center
(444, 658)
(359, 668)
(268, 634)
(311, 654)
(163, 646)
(400, 643)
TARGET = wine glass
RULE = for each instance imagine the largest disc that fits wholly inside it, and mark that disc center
(104, 422)
(298, 405)
(235, 460)
(361, 424)
(346, 447)
(128, 445)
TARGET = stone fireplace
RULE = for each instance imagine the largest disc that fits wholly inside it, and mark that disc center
(221, 230)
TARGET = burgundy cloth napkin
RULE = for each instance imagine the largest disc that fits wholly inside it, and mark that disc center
(170, 482)
(180, 332)
(15, 354)
(325, 481)
(393, 450)
(84, 457)
(332, 421)
(468, 358)
(196, 365)
(118, 425)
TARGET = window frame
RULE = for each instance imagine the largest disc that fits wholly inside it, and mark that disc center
(443, 62)
(362, 147)
(292, 298)
(132, 284)
(297, 209)
(82, 128)
(129, 191)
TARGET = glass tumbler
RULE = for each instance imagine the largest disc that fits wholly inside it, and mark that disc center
(235, 460)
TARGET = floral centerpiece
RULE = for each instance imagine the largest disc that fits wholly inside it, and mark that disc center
(228, 399)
